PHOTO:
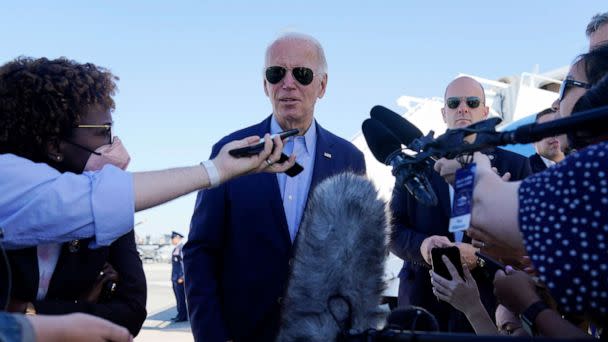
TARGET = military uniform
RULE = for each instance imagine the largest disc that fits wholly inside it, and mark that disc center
(177, 275)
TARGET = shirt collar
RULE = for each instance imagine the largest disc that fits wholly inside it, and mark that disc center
(310, 137)
(547, 162)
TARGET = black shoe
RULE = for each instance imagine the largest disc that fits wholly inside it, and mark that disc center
(178, 319)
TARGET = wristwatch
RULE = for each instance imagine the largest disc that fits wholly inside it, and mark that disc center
(528, 317)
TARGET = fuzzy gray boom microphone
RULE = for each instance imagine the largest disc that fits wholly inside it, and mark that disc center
(336, 280)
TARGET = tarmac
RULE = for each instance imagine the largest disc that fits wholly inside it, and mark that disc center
(161, 308)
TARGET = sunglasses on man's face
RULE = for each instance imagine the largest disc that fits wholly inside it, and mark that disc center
(303, 75)
(569, 83)
(471, 101)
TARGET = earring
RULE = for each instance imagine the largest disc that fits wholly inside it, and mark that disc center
(58, 157)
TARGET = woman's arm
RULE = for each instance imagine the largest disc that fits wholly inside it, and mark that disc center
(101, 203)
(157, 187)
(463, 295)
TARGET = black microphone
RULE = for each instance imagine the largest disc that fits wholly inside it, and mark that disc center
(408, 170)
(588, 124)
(533, 132)
(336, 280)
(402, 129)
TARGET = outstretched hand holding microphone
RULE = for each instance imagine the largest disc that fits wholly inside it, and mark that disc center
(151, 188)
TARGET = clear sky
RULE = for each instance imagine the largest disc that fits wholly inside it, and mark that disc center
(191, 71)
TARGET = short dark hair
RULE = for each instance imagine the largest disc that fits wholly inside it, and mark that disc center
(595, 23)
(41, 100)
(544, 112)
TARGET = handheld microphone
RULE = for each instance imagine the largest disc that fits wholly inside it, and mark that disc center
(399, 126)
(336, 281)
(584, 126)
(408, 171)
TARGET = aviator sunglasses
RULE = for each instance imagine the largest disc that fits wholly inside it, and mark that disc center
(303, 75)
(471, 101)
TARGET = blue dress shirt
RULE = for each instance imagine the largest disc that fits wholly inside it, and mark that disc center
(294, 190)
(38, 204)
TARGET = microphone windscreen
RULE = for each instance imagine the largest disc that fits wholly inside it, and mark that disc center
(340, 252)
(380, 140)
(405, 131)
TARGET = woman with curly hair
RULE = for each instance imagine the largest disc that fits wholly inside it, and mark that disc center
(58, 112)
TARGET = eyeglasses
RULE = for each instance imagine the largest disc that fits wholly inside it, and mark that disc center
(107, 130)
(471, 101)
(303, 75)
(569, 83)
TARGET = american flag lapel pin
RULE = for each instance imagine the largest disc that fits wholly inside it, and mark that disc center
(327, 155)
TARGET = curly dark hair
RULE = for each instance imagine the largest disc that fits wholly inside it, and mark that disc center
(41, 101)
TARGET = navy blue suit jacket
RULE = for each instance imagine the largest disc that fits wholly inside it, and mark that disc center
(413, 222)
(536, 163)
(236, 260)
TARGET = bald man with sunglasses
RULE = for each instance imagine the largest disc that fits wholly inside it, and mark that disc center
(237, 258)
(419, 228)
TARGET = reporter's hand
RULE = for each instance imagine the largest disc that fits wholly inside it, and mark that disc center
(467, 255)
(230, 167)
(505, 246)
(494, 215)
(462, 294)
(515, 290)
(432, 242)
(447, 169)
(180, 280)
(77, 327)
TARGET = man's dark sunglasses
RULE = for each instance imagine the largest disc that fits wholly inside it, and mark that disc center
(569, 83)
(472, 102)
(303, 75)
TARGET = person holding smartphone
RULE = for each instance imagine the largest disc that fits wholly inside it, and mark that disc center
(419, 228)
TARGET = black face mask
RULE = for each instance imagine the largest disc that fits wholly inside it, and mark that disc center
(82, 147)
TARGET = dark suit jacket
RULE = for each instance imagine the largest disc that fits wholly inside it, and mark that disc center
(236, 260)
(76, 272)
(414, 222)
(536, 163)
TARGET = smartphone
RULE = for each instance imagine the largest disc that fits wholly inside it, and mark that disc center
(259, 147)
(489, 264)
(292, 171)
(439, 267)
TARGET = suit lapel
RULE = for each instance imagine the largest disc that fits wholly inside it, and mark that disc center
(58, 279)
(444, 196)
(324, 162)
(271, 183)
(276, 206)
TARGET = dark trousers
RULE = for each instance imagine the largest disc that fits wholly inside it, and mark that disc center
(180, 298)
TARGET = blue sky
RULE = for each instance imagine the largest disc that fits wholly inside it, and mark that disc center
(191, 71)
